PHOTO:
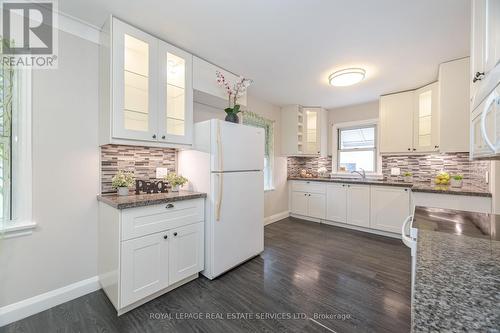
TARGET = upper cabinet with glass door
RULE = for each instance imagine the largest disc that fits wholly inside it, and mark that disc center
(426, 119)
(146, 89)
(176, 95)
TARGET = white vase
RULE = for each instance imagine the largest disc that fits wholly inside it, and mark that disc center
(456, 183)
(175, 188)
(122, 191)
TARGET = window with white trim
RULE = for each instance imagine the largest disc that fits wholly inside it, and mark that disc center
(15, 150)
(253, 119)
(357, 149)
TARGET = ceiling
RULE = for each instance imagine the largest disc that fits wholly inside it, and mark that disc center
(289, 47)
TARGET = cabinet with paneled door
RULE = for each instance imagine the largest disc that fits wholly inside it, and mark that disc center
(304, 131)
(147, 251)
(348, 203)
(409, 121)
(308, 199)
(485, 49)
(146, 94)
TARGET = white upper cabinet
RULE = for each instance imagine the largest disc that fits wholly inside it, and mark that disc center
(304, 131)
(426, 119)
(146, 89)
(206, 88)
(396, 122)
(409, 121)
(454, 112)
(135, 83)
(176, 95)
(485, 48)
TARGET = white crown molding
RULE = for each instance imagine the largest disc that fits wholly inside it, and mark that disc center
(77, 27)
(30, 306)
(276, 217)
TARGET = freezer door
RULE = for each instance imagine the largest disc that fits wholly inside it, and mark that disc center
(237, 220)
(237, 147)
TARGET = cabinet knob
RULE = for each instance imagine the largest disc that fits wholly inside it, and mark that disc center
(414, 149)
(163, 137)
(436, 147)
(175, 234)
(309, 195)
(409, 149)
(165, 237)
(406, 190)
(305, 194)
(154, 136)
(478, 77)
(170, 205)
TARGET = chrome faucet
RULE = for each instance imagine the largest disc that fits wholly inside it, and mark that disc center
(362, 173)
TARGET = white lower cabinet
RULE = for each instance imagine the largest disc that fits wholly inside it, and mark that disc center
(358, 205)
(347, 203)
(336, 208)
(316, 205)
(300, 202)
(390, 206)
(147, 251)
(145, 267)
(371, 207)
(186, 252)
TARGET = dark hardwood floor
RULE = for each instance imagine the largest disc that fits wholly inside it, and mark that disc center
(309, 275)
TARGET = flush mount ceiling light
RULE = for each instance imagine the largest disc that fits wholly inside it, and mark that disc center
(347, 77)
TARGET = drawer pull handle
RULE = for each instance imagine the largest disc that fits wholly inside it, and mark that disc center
(165, 237)
(175, 234)
(170, 206)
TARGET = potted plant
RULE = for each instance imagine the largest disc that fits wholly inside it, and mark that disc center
(175, 181)
(408, 177)
(233, 94)
(456, 181)
(122, 180)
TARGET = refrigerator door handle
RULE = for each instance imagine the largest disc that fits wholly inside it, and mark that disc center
(219, 197)
(219, 146)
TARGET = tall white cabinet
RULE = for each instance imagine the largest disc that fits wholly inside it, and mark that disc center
(146, 89)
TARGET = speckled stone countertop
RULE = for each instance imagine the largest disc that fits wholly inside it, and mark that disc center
(415, 187)
(457, 282)
(134, 200)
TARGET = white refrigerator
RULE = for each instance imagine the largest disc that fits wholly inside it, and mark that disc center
(227, 162)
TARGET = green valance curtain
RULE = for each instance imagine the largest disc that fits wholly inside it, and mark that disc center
(253, 119)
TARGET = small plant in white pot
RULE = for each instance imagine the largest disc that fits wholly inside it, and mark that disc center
(122, 181)
(408, 177)
(457, 180)
(175, 181)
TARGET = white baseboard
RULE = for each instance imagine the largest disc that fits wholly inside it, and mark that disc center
(30, 306)
(276, 217)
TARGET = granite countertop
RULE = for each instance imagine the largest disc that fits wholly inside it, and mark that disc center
(139, 200)
(428, 187)
(457, 282)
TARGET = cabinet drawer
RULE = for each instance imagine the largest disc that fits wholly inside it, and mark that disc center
(309, 187)
(137, 222)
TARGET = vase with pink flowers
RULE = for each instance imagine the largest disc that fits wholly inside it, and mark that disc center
(234, 92)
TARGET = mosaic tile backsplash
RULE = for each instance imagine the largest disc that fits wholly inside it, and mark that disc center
(142, 161)
(423, 167)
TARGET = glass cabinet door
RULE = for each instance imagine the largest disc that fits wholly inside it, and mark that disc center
(134, 83)
(176, 95)
(311, 131)
(426, 119)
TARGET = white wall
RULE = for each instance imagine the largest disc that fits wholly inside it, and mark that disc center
(63, 248)
(276, 201)
(350, 113)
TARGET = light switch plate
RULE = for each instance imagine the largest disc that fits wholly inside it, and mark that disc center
(395, 171)
(161, 172)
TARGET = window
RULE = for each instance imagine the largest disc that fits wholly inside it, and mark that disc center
(15, 151)
(357, 149)
(255, 120)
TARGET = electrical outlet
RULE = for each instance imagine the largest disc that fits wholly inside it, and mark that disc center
(395, 171)
(161, 172)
